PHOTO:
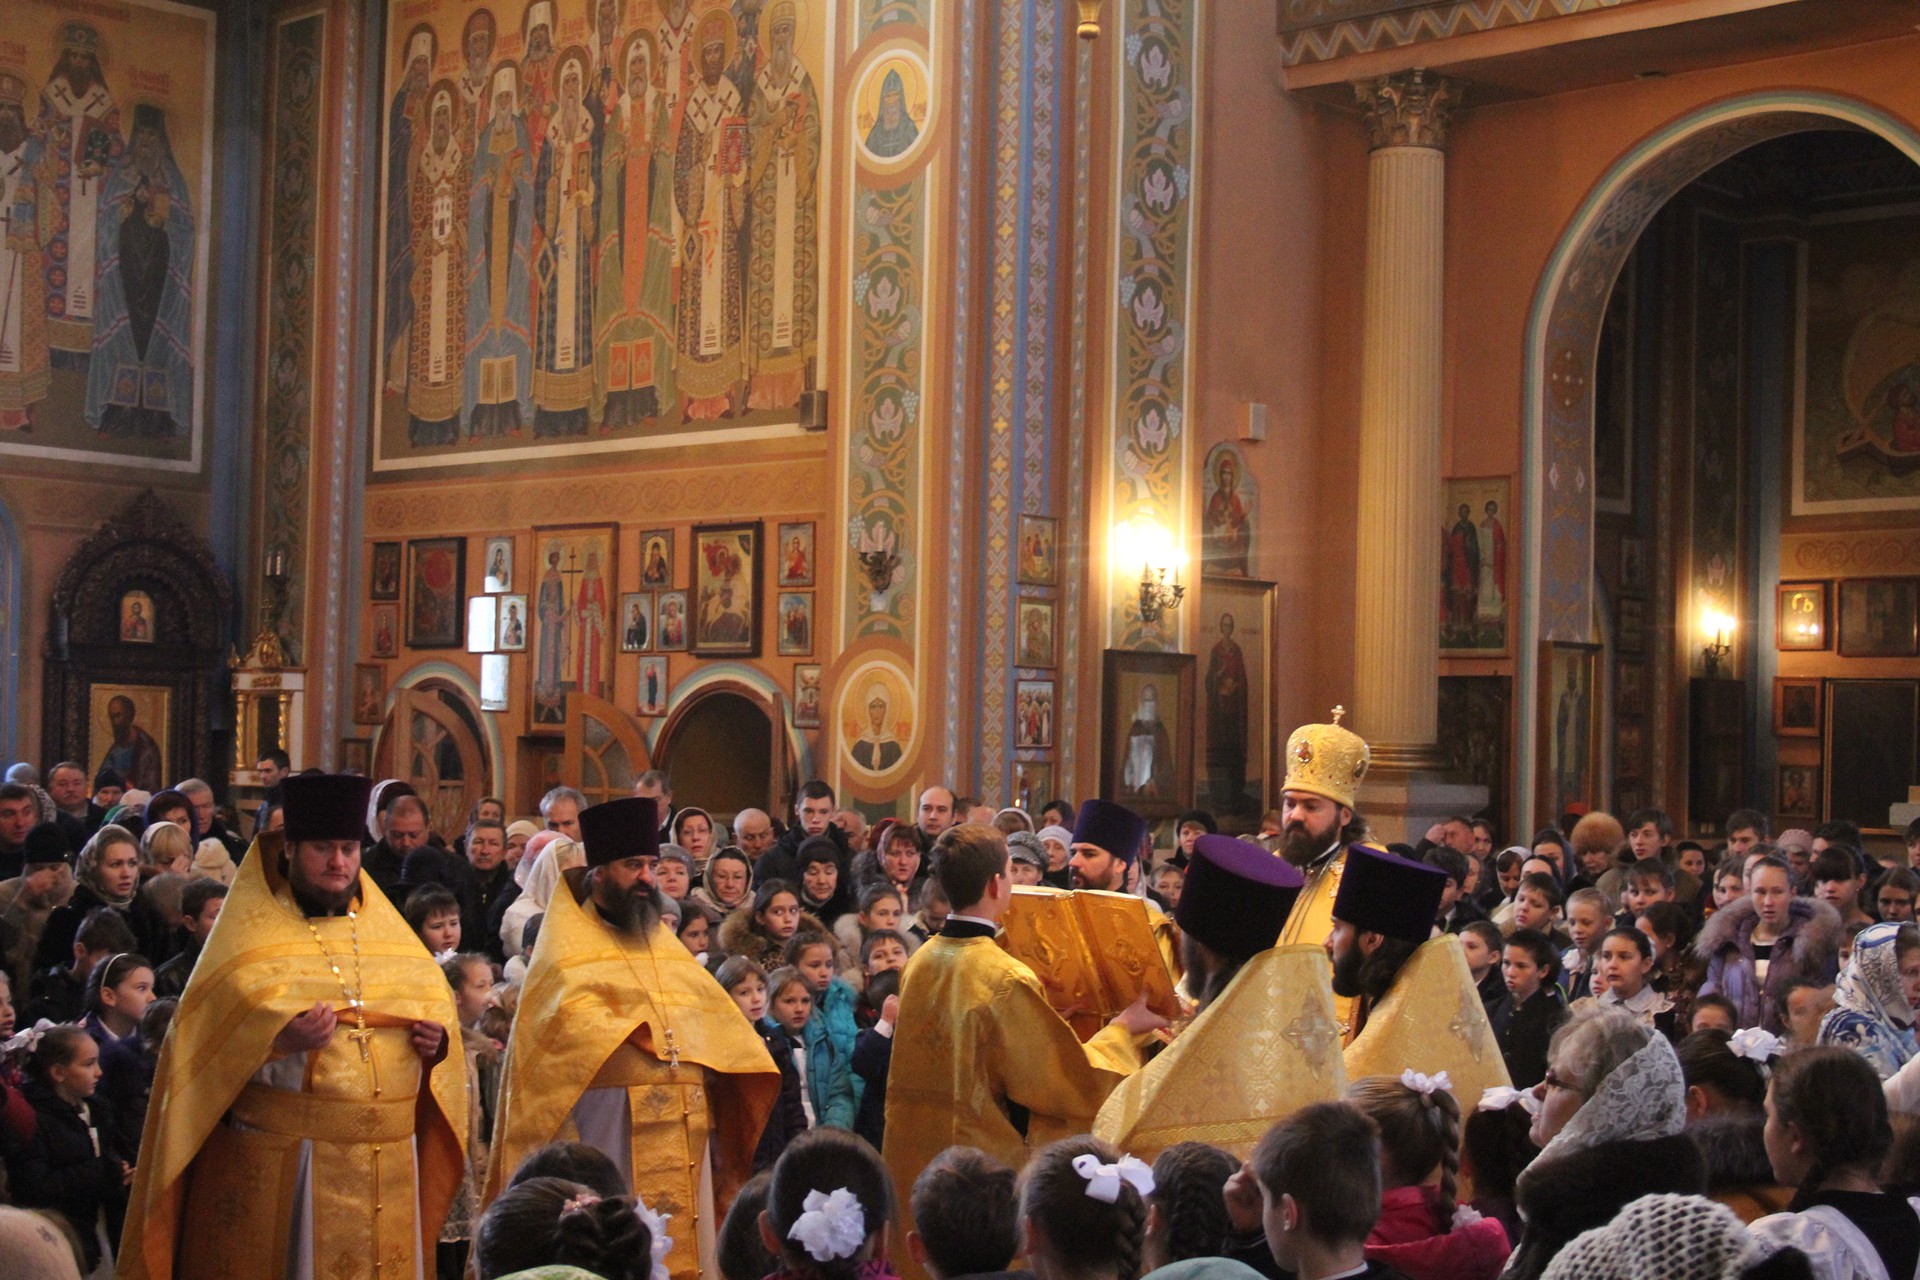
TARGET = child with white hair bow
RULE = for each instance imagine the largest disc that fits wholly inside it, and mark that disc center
(828, 1205)
(1083, 1211)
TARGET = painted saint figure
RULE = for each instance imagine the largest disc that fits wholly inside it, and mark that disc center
(1227, 682)
(1493, 568)
(437, 340)
(550, 663)
(1226, 531)
(24, 372)
(133, 754)
(634, 296)
(893, 129)
(79, 126)
(590, 617)
(140, 380)
(499, 364)
(878, 749)
(709, 189)
(782, 266)
(476, 44)
(565, 194)
(1460, 572)
(1149, 766)
(404, 115)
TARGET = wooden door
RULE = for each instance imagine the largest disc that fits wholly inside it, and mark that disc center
(427, 743)
(605, 750)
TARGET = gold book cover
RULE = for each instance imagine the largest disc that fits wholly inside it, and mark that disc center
(1092, 950)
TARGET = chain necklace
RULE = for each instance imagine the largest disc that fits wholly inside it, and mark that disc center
(355, 995)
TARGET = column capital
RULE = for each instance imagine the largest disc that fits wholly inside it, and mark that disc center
(1408, 109)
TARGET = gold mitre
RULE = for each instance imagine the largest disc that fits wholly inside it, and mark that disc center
(1327, 760)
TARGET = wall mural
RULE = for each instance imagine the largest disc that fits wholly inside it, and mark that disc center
(1858, 446)
(601, 224)
(1153, 241)
(106, 135)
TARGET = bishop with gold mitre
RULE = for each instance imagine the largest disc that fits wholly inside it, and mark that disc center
(1417, 1006)
(305, 1118)
(623, 1042)
(1264, 1042)
(1326, 764)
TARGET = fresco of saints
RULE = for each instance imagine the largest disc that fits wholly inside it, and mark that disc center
(24, 372)
(590, 616)
(1225, 530)
(709, 189)
(550, 663)
(782, 266)
(476, 46)
(634, 295)
(536, 72)
(499, 365)
(878, 749)
(140, 380)
(893, 129)
(676, 49)
(79, 128)
(437, 342)
(405, 114)
(564, 192)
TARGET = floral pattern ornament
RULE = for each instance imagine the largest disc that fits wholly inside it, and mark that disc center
(1871, 1015)
(1154, 240)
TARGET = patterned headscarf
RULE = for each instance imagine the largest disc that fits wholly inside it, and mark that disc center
(1870, 984)
(1674, 1237)
(1644, 1097)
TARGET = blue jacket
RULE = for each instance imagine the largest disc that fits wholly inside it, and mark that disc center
(834, 1019)
(829, 1079)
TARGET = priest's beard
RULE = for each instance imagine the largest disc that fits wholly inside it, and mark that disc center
(315, 901)
(1300, 846)
(1346, 971)
(632, 911)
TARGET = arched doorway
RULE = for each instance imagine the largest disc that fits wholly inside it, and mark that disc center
(1563, 343)
(734, 743)
(432, 738)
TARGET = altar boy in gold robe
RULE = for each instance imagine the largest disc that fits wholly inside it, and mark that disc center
(1326, 764)
(623, 1042)
(1418, 1006)
(979, 1057)
(1264, 1042)
(306, 1120)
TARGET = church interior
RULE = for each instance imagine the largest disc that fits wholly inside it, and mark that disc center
(1040, 399)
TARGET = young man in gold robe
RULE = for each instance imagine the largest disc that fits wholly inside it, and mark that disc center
(623, 1042)
(1264, 1042)
(1418, 1007)
(306, 1120)
(1325, 765)
(979, 1057)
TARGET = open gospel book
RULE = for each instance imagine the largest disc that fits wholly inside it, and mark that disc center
(1093, 951)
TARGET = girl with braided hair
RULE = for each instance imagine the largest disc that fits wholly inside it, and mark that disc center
(1083, 1211)
(1827, 1132)
(1187, 1210)
(1423, 1231)
(828, 1205)
(549, 1222)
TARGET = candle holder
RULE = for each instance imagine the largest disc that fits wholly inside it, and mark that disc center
(1157, 596)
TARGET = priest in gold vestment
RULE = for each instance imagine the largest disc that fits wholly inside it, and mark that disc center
(979, 1057)
(623, 1042)
(306, 1120)
(1417, 1006)
(1326, 764)
(1264, 1042)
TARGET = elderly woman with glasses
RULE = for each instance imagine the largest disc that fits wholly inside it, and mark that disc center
(1613, 1108)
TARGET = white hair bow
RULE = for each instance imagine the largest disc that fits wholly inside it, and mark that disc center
(1103, 1180)
(656, 1224)
(1499, 1097)
(832, 1226)
(29, 1039)
(441, 957)
(1755, 1045)
(1426, 1085)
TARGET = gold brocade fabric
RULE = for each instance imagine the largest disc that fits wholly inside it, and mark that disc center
(976, 1034)
(596, 1011)
(1266, 1047)
(1312, 920)
(212, 1199)
(1431, 1021)
(1093, 952)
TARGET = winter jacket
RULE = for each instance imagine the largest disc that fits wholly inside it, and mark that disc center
(782, 862)
(1809, 948)
(834, 1020)
(829, 1082)
(1523, 1031)
(151, 932)
(126, 1081)
(738, 937)
(58, 1169)
(789, 1118)
(1409, 1237)
(1585, 1188)
(872, 1062)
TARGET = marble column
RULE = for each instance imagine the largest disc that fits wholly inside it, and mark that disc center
(1396, 630)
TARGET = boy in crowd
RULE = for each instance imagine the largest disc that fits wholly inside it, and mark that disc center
(1480, 941)
(1307, 1201)
(1648, 881)
(1536, 905)
(58, 993)
(966, 1216)
(1896, 894)
(1587, 923)
(1533, 1009)
(1457, 909)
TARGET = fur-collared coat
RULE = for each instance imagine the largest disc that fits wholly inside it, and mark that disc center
(1584, 1189)
(1809, 948)
(738, 937)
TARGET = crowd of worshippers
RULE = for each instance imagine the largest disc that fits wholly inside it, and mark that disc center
(1710, 1064)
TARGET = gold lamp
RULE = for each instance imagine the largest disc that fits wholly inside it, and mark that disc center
(1089, 19)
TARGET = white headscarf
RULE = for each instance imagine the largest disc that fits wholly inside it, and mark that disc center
(1644, 1097)
(537, 892)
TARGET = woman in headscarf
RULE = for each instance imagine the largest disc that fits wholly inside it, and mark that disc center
(379, 801)
(1613, 1108)
(108, 875)
(727, 883)
(693, 830)
(1873, 1011)
(548, 854)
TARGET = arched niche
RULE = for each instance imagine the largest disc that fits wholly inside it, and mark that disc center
(435, 738)
(1563, 340)
(166, 661)
(733, 739)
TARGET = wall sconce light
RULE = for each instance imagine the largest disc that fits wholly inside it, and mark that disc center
(1144, 542)
(1720, 627)
(1089, 19)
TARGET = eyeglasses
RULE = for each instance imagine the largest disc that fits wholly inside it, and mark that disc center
(1553, 1081)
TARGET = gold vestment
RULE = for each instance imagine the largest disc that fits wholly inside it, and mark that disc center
(1312, 920)
(1430, 1021)
(975, 1036)
(220, 1159)
(601, 1009)
(1266, 1047)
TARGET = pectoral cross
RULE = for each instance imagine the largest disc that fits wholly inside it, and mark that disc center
(363, 1037)
(673, 1051)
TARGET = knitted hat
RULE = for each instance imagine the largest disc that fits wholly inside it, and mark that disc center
(1380, 893)
(1668, 1236)
(46, 843)
(1237, 896)
(627, 828)
(109, 778)
(1114, 828)
(1059, 834)
(522, 827)
(1024, 846)
(323, 806)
